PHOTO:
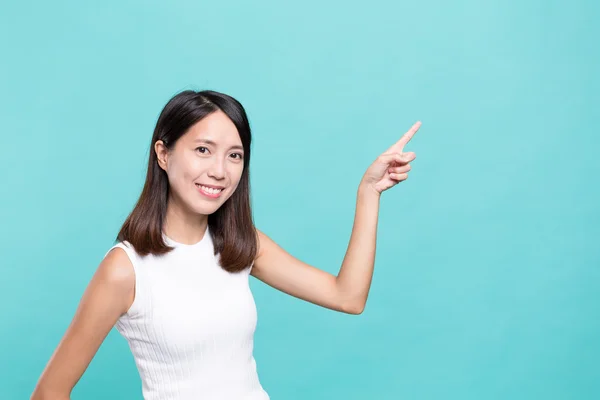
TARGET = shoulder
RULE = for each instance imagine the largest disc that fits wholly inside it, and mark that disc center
(117, 271)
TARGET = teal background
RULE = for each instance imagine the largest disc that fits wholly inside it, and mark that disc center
(487, 281)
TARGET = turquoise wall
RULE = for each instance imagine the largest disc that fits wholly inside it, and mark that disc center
(487, 281)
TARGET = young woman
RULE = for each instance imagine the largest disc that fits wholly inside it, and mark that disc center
(176, 283)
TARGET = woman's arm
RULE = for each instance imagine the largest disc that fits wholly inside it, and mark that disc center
(348, 291)
(354, 278)
(108, 295)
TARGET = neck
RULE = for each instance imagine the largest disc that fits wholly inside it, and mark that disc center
(182, 225)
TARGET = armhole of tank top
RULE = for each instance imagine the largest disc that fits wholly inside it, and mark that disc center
(134, 308)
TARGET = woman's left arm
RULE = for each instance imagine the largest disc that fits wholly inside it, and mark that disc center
(348, 291)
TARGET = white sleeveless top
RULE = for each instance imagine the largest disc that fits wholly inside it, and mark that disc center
(191, 325)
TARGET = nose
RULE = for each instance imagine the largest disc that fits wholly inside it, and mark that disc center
(217, 168)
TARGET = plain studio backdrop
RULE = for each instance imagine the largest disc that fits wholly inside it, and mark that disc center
(487, 276)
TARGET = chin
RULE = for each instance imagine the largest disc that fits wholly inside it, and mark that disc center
(204, 209)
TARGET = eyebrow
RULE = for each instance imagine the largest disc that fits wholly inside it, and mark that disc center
(208, 141)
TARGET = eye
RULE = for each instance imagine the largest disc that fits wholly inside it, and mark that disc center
(240, 156)
(201, 147)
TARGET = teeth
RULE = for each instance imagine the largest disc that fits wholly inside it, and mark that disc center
(209, 190)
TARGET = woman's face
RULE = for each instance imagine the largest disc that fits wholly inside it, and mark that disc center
(205, 165)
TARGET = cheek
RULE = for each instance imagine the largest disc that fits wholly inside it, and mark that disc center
(236, 177)
(180, 174)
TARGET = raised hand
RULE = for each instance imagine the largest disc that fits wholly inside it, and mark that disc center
(391, 167)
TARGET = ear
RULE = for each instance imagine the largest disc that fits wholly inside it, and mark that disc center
(162, 154)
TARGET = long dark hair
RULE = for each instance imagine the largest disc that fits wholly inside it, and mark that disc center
(231, 226)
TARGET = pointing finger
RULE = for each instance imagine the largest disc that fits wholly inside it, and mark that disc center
(399, 145)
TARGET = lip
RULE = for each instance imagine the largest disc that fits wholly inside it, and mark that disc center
(209, 195)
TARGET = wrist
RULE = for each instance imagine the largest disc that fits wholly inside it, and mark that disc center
(367, 190)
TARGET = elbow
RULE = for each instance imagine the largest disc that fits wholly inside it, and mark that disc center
(357, 311)
(354, 309)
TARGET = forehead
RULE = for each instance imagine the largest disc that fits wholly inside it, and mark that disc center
(217, 128)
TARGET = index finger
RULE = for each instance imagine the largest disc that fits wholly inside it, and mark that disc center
(399, 146)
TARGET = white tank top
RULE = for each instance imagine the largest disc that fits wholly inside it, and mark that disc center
(191, 325)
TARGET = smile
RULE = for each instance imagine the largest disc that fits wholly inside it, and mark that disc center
(209, 192)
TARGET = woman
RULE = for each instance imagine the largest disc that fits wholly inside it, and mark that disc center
(176, 283)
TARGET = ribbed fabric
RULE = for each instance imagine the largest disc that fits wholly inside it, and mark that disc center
(191, 326)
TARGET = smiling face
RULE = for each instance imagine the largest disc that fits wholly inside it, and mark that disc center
(205, 165)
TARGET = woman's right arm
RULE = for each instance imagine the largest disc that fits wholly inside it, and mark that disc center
(109, 294)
